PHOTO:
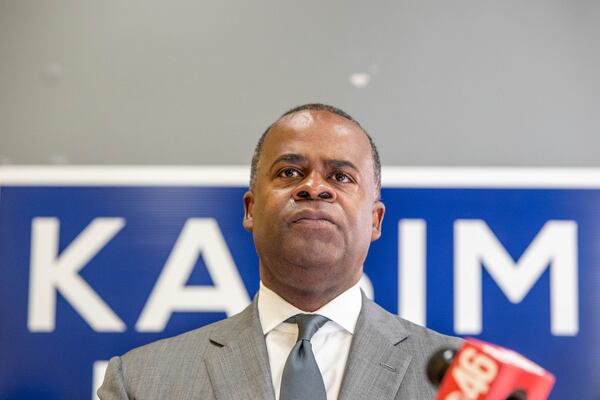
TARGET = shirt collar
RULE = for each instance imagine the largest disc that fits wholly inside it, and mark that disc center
(343, 310)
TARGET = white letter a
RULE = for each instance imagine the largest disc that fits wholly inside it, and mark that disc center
(199, 236)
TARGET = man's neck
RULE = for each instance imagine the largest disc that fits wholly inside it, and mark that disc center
(309, 299)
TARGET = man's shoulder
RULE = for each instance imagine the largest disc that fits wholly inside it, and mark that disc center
(190, 344)
(173, 367)
(174, 344)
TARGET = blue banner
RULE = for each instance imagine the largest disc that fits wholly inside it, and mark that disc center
(94, 262)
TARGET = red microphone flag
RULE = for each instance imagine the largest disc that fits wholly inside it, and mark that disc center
(483, 371)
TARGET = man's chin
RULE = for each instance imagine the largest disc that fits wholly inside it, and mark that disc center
(314, 252)
(321, 235)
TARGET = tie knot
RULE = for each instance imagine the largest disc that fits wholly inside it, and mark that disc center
(308, 324)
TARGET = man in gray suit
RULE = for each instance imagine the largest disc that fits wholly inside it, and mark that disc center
(313, 208)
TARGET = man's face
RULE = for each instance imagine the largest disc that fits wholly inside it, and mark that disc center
(313, 211)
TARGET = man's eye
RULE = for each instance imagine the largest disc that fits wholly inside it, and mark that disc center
(289, 173)
(341, 177)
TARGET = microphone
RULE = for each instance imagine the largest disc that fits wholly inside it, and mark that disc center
(484, 371)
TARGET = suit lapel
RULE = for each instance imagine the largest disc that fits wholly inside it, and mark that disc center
(377, 361)
(239, 366)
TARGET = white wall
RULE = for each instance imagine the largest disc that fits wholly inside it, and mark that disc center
(192, 82)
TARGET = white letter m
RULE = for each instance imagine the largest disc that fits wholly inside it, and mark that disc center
(554, 247)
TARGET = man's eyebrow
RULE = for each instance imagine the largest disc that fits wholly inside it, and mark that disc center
(300, 159)
(341, 164)
(289, 157)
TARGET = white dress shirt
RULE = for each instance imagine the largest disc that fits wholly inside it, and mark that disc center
(330, 344)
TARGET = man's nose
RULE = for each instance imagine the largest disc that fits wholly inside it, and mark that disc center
(314, 187)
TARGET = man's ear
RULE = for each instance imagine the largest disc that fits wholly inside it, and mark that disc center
(248, 221)
(378, 212)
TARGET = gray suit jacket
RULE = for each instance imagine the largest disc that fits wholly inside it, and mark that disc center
(228, 360)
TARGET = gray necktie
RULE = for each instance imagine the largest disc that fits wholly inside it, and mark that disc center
(301, 376)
